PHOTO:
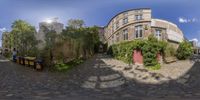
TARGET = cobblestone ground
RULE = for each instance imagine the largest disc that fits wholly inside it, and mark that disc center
(93, 80)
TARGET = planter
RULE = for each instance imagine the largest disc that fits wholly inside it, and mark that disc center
(18, 60)
(22, 61)
(26, 62)
(30, 61)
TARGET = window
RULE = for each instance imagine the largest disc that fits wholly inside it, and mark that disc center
(117, 37)
(125, 34)
(112, 28)
(117, 24)
(158, 34)
(113, 38)
(138, 31)
(125, 20)
(126, 14)
(138, 17)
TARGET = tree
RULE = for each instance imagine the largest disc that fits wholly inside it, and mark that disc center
(76, 23)
(87, 39)
(50, 39)
(184, 50)
(23, 38)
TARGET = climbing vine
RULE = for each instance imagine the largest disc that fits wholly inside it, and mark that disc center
(150, 48)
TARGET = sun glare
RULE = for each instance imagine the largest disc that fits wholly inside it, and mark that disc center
(48, 21)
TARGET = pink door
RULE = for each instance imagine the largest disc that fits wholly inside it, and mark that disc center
(137, 57)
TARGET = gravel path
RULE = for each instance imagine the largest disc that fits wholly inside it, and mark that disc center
(96, 79)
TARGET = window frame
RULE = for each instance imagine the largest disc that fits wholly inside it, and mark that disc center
(158, 35)
(139, 30)
(125, 20)
(117, 37)
(139, 17)
(117, 24)
(125, 34)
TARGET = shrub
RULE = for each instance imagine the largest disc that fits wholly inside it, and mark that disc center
(184, 50)
(66, 66)
(110, 51)
(170, 51)
(8, 54)
(150, 50)
(156, 67)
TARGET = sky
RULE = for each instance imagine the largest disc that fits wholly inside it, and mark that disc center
(184, 13)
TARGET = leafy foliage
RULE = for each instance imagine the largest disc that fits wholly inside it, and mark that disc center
(184, 50)
(66, 66)
(170, 51)
(75, 23)
(74, 43)
(23, 38)
(155, 67)
(150, 48)
(87, 39)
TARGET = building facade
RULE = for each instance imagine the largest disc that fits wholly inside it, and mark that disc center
(101, 34)
(139, 24)
(6, 42)
(195, 47)
(54, 25)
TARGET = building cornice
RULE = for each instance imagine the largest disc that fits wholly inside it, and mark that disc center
(126, 11)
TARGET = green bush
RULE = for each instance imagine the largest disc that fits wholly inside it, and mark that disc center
(170, 51)
(8, 54)
(184, 50)
(62, 67)
(124, 51)
(150, 50)
(156, 67)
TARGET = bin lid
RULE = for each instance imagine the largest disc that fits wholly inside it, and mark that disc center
(30, 58)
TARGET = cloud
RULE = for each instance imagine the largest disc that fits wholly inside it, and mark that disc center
(182, 20)
(197, 43)
(195, 39)
(3, 29)
(187, 20)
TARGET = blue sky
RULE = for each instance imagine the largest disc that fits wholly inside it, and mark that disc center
(184, 13)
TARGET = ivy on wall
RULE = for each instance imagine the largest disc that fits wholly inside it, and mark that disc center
(150, 48)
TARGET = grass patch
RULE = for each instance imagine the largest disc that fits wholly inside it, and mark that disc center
(63, 67)
(156, 67)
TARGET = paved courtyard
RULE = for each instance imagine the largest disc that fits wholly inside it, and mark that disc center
(96, 79)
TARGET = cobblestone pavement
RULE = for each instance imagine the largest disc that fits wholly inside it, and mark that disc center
(93, 80)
